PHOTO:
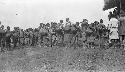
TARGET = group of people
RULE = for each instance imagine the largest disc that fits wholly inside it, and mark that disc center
(50, 34)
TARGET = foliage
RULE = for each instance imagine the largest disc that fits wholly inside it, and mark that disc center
(108, 4)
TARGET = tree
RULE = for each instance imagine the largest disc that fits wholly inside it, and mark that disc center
(108, 4)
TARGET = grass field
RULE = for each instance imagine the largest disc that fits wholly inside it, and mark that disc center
(62, 59)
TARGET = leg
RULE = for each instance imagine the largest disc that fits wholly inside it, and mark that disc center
(2, 48)
(121, 38)
(8, 43)
(51, 40)
(30, 41)
(15, 42)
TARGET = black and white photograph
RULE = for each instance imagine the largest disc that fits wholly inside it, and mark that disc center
(62, 35)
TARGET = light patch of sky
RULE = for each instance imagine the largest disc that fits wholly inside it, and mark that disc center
(31, 12)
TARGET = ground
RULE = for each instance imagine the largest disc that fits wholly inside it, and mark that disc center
(62, 59)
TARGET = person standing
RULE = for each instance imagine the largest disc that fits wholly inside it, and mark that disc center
(30, 37)
(67, 31)
(26, 36)
(0, 24)
(15, 36)
(2, 37)
(21, 35)
(8, 37)
(114, 36)
(121, 28)
(35, 36)
(84, 25)
(61, 24)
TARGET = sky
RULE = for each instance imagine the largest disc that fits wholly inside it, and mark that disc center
(29, 13)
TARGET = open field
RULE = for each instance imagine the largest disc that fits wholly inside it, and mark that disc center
(62, 59)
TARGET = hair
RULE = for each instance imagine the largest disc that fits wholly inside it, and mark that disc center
(8, 27)
(61, 21)
(101, 21)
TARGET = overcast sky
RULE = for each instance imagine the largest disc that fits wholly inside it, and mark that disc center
(31, 12)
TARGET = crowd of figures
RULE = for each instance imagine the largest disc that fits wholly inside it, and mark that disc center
(62, 34)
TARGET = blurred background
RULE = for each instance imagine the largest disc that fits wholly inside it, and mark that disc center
(29, 13)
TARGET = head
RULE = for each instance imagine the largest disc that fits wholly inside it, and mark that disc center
(101, 21)
(110, 12)
(108, 24)
(8, 27)
(27, 30)
(85, 20)
(36, 30)
(61, 21)
(41, 24)
(67, 19)
(114, 11)
(15, 28)
(51, 23)
(77, 23)
(2, 27)
(48, 25)
(96, 22)
(44, 25)
(55, 24)
(21, 29)
(92, 24)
